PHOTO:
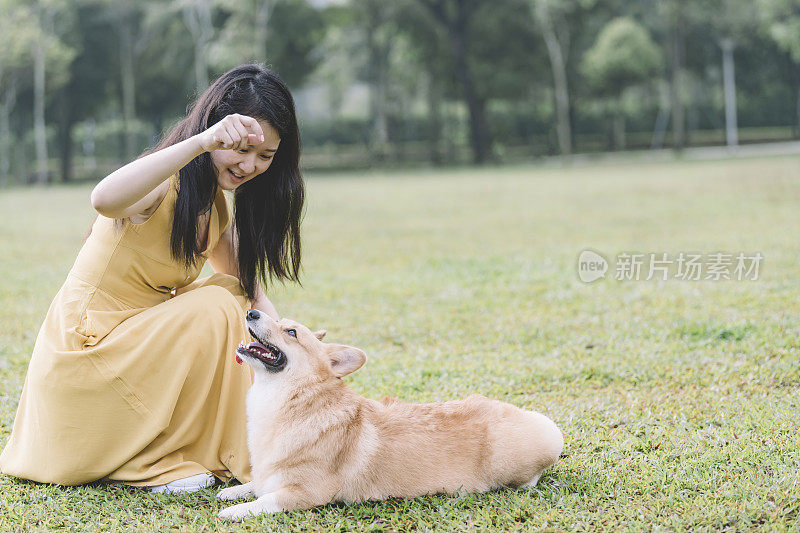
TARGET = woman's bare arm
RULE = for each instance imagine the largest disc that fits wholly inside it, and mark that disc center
(134, 188)
(224, 260)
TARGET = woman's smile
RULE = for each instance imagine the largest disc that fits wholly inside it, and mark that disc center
(237, 178)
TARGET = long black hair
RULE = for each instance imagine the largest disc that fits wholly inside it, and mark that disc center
(267, 208)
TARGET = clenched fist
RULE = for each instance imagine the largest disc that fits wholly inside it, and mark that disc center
(233, 132)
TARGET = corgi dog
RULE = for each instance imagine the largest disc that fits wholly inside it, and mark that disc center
(313, 440)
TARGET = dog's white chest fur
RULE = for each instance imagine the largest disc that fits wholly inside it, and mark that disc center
(263, 402)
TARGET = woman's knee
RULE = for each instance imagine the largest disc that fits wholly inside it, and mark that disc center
(213, 298)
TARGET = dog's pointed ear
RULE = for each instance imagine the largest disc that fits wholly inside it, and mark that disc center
(345, 359)
(320, 334)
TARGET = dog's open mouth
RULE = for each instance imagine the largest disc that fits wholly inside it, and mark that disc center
(265, 352)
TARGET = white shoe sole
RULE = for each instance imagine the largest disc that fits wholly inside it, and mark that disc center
(185, 485)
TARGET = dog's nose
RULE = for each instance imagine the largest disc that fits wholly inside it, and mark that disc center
(253, 315)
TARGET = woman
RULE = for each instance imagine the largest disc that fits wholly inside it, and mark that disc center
(133, 375)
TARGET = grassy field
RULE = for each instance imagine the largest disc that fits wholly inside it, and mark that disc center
(678, 400)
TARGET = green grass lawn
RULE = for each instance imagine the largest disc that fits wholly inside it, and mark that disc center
(678, 400)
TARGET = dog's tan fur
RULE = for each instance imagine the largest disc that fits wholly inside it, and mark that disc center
(313, 440)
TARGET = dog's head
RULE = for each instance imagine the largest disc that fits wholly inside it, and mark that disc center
(290, 349)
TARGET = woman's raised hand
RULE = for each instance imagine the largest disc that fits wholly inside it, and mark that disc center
(233, 132)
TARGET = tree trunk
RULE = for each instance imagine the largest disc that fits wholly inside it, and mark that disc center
(39, 127)
(263, 8)
(619, 131)
(378, 66)
(560, 87)
(198, 19)
(729, 82)
(380, 123)
(434, 116)
(9, 98)
(480, 136)
(456, 28)
(128, 87)
(89, 162)
(676, 89)
(797, 108)
(65, 129)
(662, 119)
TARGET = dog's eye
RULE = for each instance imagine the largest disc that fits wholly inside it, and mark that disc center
(292, 332)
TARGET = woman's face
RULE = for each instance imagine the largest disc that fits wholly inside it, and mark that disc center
(235, 167)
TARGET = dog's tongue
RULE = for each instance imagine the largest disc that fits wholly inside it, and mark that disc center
(239, 359)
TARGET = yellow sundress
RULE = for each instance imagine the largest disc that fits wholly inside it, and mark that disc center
(133, 377)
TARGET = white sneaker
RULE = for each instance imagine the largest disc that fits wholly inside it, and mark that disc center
(187, 484)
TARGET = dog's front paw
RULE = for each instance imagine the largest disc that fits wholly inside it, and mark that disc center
(238, 512)
(237, 492)
(265, 504)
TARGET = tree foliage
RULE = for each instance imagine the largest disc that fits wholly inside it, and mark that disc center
(782, 20)
(448, 78)
(623, 56)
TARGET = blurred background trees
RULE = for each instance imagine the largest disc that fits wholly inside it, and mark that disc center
(86, 85)
(623, 59)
